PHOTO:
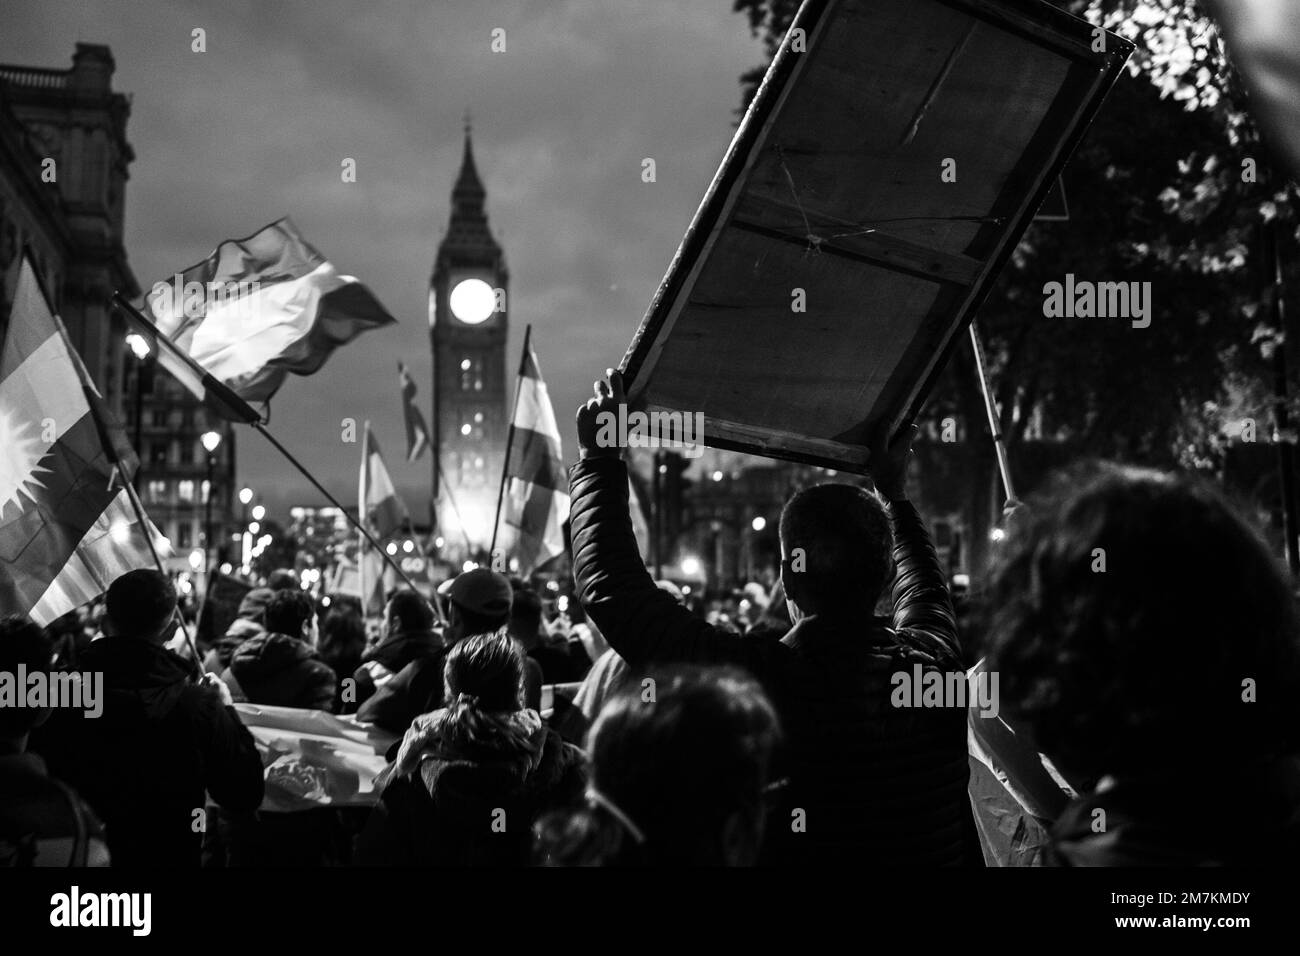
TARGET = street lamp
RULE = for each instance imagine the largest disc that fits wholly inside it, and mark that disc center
(245, 495)
(210, 442)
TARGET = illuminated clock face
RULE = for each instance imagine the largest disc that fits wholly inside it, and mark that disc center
(472, 301)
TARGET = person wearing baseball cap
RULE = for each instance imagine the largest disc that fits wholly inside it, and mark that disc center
(474, 602)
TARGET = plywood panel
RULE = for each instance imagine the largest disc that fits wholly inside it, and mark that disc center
(832, 186)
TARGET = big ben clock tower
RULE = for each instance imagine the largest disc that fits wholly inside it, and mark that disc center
(467, 325)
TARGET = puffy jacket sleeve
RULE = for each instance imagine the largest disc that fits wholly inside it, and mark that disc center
(641, 622)
(923, 614)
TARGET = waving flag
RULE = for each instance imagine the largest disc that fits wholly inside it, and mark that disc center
(257, 309)
(417, 432)
(382, 512)
(535, 489)
(67, 525)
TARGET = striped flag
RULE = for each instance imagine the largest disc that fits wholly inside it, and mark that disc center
(417, 432)
(68, 528)
(535, 492)
(257, 309)
(382, 512)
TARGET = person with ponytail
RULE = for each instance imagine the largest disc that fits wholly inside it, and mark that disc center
(679, 776)
(471, 778)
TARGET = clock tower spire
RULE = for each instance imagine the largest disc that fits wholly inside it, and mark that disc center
(467, 328)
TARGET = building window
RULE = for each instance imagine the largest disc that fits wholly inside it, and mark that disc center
(157, 492)
(204, 492)
(187, 419)
(158, 452)
(187, 453)
(158, 418)
(184, 537)
(185, 490)
(471, 374)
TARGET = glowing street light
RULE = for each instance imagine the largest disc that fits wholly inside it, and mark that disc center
(245, 495)
(690, 566)
(139, 345)
(408, 545)
(759, 523)
(210, 441)
(259, 512)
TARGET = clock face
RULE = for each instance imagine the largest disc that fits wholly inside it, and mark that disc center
(473, 301)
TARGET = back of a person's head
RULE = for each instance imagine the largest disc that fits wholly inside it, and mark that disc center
(838, 546)
(343, 632)
(282, 579)
(1130, 614)
(141, 604)
(410, 610)
(287, 612)
(22, 644)
(485, 671)
(525, 613)
(675, 760)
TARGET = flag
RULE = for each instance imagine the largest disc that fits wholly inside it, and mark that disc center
(255, 310)
(535, 498)
(68, 527)
(312, 759)
(381, 511)
(417, 432)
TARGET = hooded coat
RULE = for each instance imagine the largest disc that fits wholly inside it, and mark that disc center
(280, 671)
(146, 761)
(458, 804)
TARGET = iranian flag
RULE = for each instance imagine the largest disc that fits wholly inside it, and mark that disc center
(68, 527)
(383, 513)
(255, 310)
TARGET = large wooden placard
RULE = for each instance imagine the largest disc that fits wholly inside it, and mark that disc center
(833, 197)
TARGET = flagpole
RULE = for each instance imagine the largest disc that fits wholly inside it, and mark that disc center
(140, 518)
(510, 439)
(261, 427)
(995, 425)
(245, 413)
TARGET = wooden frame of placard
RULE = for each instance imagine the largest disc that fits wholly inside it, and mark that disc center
(764, 396)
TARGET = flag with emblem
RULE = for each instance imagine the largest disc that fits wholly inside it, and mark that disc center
(68, 527)
(534, 498)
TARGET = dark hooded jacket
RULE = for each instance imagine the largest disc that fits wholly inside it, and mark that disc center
(1234, 814)
(223, 648)
(382, 662)
(877, 785)
(280, 671)
(146, 761)
(472, 806)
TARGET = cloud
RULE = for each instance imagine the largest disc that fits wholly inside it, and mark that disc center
(257, 127)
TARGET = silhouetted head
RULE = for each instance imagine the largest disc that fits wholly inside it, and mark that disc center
(22, 644)
(282, 579)
(1135, 617)
(478, 602)
(679, 765)
(487, 670)
(292, 613)
(408, 612)
(526, 616)
(836, 550)
(141, 604)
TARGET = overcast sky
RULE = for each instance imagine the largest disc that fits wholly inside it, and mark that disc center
(256, 128)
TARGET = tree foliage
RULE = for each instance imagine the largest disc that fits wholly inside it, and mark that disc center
(1171, 186)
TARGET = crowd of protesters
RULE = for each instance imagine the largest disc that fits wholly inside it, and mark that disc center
(1145, 638)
